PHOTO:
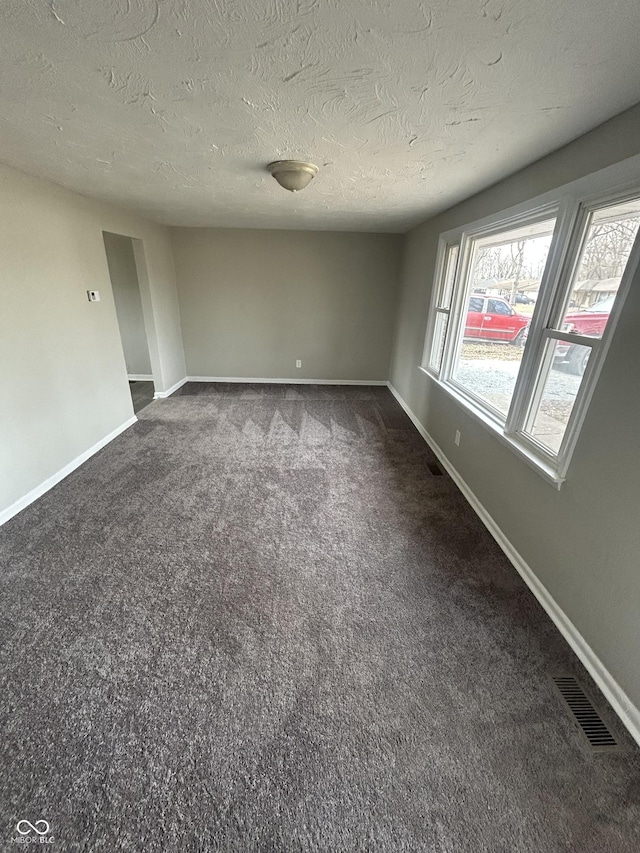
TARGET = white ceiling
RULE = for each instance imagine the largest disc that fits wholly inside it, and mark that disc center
(174, 107)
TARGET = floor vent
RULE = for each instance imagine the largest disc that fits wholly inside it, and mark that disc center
(435, 469)
(585, 715)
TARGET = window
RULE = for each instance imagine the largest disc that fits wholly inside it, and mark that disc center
(574, 332)
(443, 306)
(486, 363)
(522, 314)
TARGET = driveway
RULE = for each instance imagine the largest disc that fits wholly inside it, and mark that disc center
(490, 370)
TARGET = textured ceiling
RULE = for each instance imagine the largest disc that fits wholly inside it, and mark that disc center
(174, 107)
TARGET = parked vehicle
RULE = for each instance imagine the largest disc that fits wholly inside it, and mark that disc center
(591, 322)
(491, 318)
(523, 299)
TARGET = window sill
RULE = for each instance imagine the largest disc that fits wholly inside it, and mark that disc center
(540, 466)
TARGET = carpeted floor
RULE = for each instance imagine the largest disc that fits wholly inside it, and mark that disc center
(257, 621)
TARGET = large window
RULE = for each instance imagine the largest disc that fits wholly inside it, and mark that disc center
(487, 361)
(521, 315)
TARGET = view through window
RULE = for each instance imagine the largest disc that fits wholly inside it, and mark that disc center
(609, 237)
(490, 310)
(504, 277)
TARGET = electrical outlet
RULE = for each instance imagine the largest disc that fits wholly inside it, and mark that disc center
(298, 362)
(457, 438)
(93, 295)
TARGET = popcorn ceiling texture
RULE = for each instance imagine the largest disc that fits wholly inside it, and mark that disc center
(175, 108)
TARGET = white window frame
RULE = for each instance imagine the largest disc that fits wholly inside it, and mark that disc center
(437, 309)
(572, 206)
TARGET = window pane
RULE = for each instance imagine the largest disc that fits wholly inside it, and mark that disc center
(510, 264)
(560, 385)
(448, 276)
(497, 306)
(610, 235)
(437, 348)
(489, 370)
(502, 265)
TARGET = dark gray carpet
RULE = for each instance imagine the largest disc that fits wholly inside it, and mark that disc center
(257, 621)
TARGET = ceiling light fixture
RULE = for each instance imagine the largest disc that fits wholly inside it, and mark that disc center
(293, 175)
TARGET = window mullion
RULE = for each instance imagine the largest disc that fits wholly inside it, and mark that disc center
(572, 337)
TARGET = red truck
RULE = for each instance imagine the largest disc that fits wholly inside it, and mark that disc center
(491, 318)
(590, 322)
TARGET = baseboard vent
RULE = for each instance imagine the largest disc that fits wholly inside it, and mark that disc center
(586, 717)
(435, 469)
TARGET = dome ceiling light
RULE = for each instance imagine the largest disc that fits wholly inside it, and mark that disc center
(293, 175)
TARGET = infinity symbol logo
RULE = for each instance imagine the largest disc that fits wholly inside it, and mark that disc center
(41, 827)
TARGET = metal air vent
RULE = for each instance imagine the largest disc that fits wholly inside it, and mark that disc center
(585, 715)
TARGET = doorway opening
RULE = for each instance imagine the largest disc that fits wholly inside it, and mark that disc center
(125, 284)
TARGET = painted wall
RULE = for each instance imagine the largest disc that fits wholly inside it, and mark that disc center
(63, 380)
(582, 542)
(252, 302)
(126, 295)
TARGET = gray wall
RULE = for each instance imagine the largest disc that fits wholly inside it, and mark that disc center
(582, 542)
(126, 295)
(252, 302)
(63, 381)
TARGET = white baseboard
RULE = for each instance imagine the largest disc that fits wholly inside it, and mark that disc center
(140, 377)
(287, 381)
(161, 395)
(49, 483)
(623, 706)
